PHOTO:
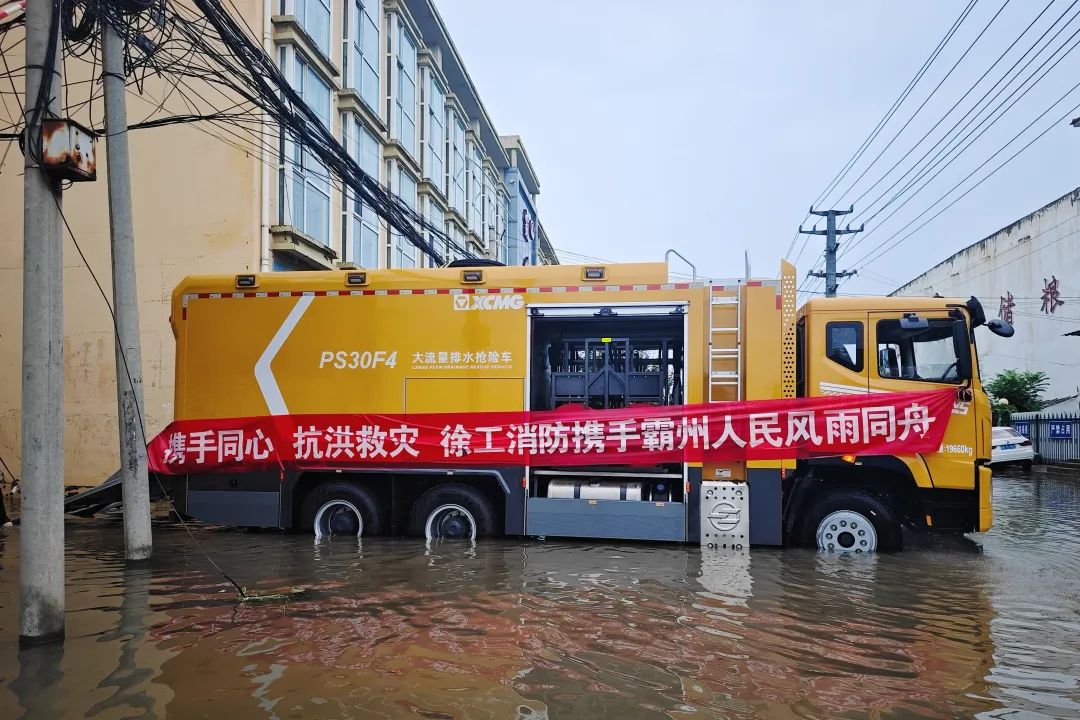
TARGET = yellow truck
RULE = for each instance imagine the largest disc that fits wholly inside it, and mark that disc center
(478, 337)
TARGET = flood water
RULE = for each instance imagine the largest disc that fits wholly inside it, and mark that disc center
(988, 627)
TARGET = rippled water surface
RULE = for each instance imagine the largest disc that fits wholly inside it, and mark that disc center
(510, 629)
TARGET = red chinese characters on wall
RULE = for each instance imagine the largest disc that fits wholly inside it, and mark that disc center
(1005, 311)
(1051, 295)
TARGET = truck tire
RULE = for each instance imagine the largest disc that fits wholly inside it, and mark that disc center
(452, 512)
(341, 508)
(851, 521)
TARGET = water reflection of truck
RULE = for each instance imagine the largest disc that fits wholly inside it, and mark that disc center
(486, 338)
(578, 630)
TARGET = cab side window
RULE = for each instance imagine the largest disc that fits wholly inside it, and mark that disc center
(925, 355)
(844, 344)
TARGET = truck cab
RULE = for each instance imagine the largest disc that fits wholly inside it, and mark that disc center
(899, 344)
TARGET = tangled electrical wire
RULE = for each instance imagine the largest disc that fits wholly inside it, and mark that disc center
(212, 71)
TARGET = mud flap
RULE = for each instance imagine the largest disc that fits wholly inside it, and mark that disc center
(766, 506)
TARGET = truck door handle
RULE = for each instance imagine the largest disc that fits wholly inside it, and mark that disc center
(964, 394)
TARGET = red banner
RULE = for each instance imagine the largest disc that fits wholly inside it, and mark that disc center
(872, 424)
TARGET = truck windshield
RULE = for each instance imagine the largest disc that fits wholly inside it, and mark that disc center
(925, 355)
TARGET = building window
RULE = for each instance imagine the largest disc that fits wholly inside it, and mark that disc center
(844, 344)
(489, 205)
(314, 17)
(457, 176)
(406, 90)
(475, 188)
(403, 252)
(502, 230)
(364, 147)
(365, 53)
(309, 206)
(455, 241)
(435, 134)
(437, 219)
(926, 355)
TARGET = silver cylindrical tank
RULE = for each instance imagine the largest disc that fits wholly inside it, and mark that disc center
(595, 490)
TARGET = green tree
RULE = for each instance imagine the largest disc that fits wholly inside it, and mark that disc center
(1021, 391)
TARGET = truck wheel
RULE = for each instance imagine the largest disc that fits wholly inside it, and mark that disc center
(452, 512)
(852, 521)
(342, 509)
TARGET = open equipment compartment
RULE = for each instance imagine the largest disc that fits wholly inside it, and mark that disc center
(599, 357)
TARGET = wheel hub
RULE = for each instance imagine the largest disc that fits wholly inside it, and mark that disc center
(450, 522)
(343, 522)
(846, 531)
(338, 517)
(452, 527)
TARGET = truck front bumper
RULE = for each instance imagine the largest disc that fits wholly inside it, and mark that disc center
(984, 484)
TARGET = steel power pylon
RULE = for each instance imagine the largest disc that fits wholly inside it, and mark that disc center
(831, 246)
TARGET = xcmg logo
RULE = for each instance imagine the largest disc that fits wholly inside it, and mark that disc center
(488, 302)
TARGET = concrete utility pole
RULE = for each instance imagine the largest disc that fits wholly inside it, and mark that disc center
(129, 395)
(831, 246)
(41, 558)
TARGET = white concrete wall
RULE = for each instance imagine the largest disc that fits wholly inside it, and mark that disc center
(1019, 259)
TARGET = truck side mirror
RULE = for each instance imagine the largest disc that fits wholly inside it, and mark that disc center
(1000, 328)
(911, 321)
(962, 346)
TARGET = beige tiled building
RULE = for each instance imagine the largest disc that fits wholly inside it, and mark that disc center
(386, 78)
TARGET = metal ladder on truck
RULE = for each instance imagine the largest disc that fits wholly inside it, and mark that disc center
(725, 341)
(725, 499)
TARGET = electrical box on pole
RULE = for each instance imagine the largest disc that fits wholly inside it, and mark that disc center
(68, 150)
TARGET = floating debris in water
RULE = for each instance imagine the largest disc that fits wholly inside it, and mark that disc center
(247, 597)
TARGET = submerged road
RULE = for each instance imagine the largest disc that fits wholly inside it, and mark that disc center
(986, 627)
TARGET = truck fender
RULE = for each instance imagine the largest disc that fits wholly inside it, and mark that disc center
(911, 466)
(904, 469)
(916, 467)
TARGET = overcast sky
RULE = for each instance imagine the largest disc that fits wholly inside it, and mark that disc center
(711, 129)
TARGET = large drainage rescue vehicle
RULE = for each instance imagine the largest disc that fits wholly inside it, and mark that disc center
(478, 339)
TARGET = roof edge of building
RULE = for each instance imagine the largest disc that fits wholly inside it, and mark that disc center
(546, 248)
(489, 135)
(524, 164)
(1073, 194)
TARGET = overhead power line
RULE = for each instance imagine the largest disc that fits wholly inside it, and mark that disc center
(809, 280)
(885, 118)
(216, 70)
(886, 246)
(948, 136)
(926, 100)
(1045, 52)
(897, 103)
(952, 153)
